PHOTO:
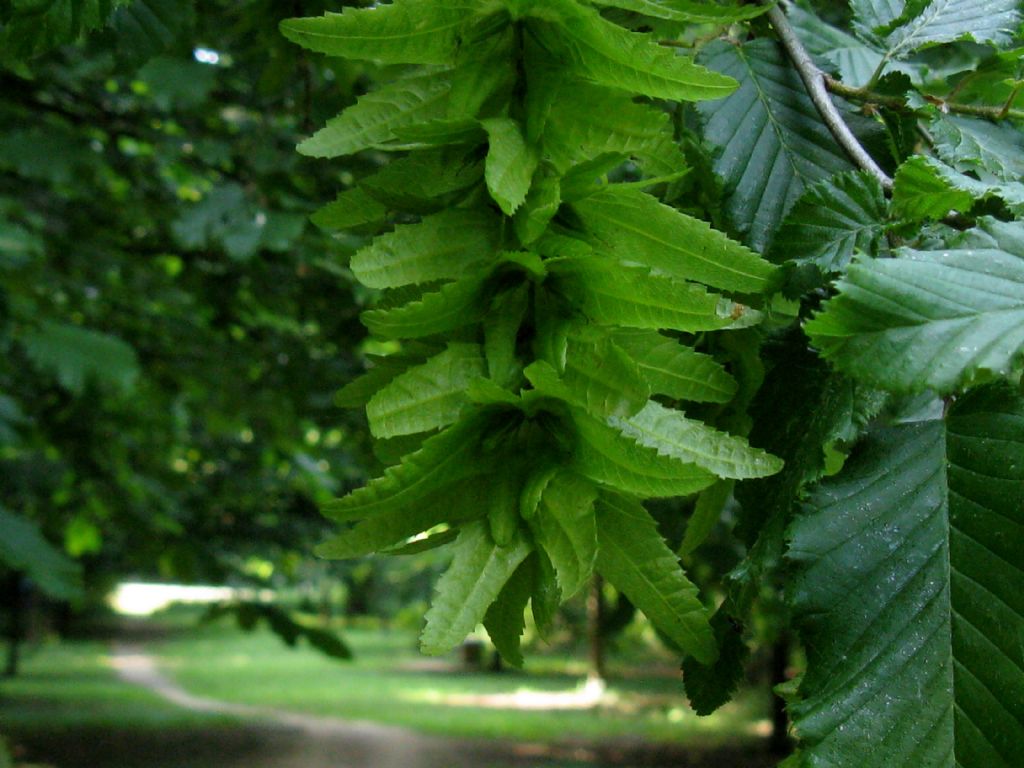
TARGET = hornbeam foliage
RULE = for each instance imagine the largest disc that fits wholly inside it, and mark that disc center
(571, 337)
(547, 288)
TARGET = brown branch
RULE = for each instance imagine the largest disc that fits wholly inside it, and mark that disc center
(814, 79)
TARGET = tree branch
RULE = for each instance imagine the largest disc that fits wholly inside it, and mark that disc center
(855, 93)
(815, 81)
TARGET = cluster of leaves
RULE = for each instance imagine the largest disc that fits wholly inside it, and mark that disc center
(551, 322)
(529, 294)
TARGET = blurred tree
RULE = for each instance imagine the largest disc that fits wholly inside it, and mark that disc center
(172, 329)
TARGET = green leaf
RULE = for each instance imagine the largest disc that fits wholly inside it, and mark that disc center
(831, 221)
(425, 181)
(144, 28)
(633, 226)
(709, 687)
(401, 32)
(379, 373)
(442, 246)
(441, 461)
(24, 548)
(474, 580)
(771, 112)
(946, 21)
(687, 10)
(672, 434)
(920, 192)
(599, 378)
(504, 620)
(373, 121)
(79, 355)
(836, 50)
(609, 55)
(428, 396)
(675, 370)
(926, 188)
(453, 306)
(706, 514)
(931, 319)
(909, 591)
(352, 208)
(617, 294)
(579, 121)
(501, 334)
(606, 456)
(31, 28)
(453, 504)
(511, 161)
(541, 205)
(991, 151)
(565, 527)
(634, 557)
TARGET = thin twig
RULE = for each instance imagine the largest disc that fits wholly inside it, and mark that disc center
(855, 93)
(814, 79)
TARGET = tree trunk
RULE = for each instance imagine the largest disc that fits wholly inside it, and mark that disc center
(16, 618)
(595, 629)
(779, 743)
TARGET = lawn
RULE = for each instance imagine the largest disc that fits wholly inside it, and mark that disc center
(390, 682)
(68, 709)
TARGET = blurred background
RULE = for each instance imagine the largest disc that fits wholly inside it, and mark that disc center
(174, 336)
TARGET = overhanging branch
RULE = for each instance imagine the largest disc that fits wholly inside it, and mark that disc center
(814, 79)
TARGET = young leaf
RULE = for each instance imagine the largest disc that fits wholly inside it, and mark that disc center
(401, 32)
(423, 182)
(511, 161)
(687, 10)
(675, 370)
(542, 203)
(442, 460)
(931, 319)
(926, 188)
(606, 456)
(564, 526)
(832, 220)
(374, 119)
(599, 378)
(453, 306)
(909, 590)
(945, 21)
(352, 209)
(633, 226)
(444, 245)
(584, 121)
(671, 434)
(706, 514)
(501, 334)
(610, 55)
(633, 556)
(709, 687)
(474, 580)
(504, 620)
(772, 113)
(452, 504)
(428, 396)
(615, 294)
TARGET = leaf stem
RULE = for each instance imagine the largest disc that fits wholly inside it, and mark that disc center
(814, 79)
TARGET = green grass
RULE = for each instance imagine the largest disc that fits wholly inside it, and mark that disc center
(71, 685)
(390, 682)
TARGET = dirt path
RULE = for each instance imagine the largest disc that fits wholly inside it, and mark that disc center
(321, 742)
